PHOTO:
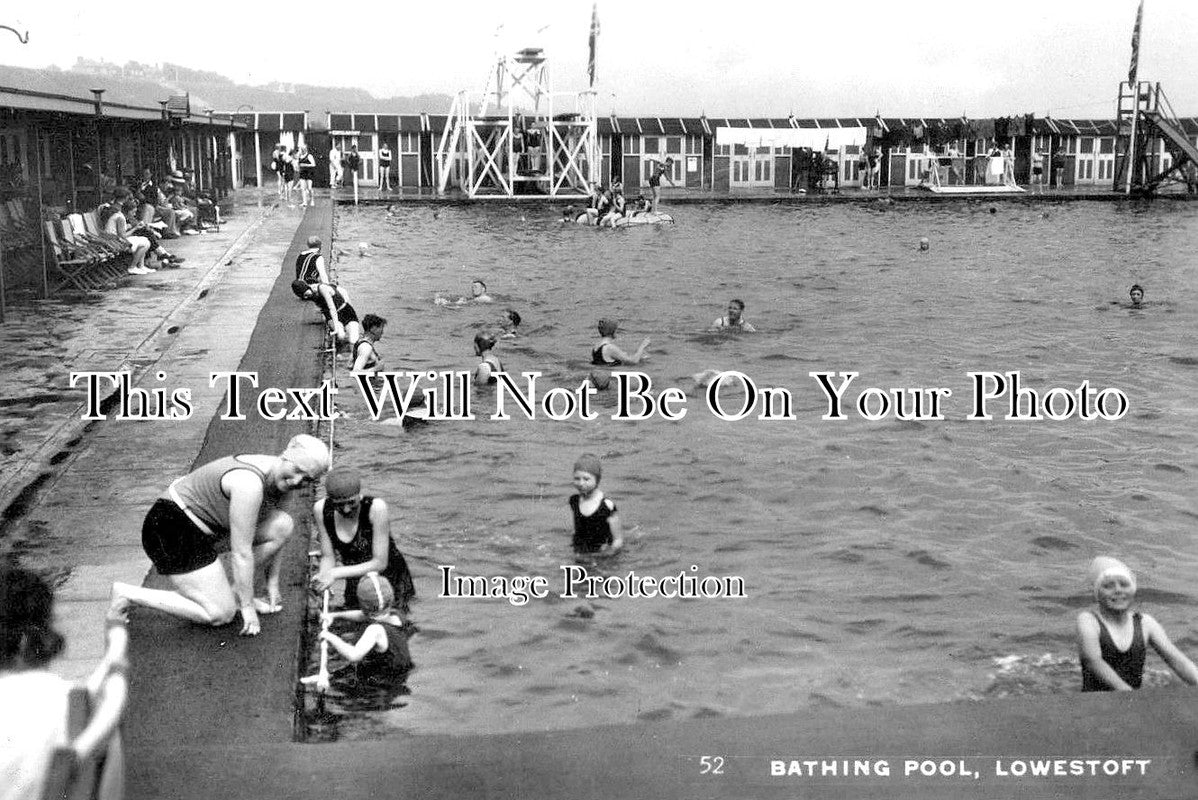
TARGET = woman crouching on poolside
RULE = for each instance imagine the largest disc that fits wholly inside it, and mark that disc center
(236, 499)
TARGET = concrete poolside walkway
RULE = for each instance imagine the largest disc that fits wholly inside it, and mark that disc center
(210, 713)
(74, 492)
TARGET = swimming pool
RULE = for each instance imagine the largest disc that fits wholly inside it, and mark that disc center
(884, 561)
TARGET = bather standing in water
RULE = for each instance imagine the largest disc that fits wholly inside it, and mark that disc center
(734, 320)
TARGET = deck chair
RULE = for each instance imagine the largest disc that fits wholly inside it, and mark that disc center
(21, 231)
(107, 261)
(96, 232)
(92, 765)
(72, 269)
(105, 243)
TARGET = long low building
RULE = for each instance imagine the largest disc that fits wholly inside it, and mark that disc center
(759, 153)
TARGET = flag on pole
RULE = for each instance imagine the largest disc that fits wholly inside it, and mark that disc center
(593, 37)
(1135, 46)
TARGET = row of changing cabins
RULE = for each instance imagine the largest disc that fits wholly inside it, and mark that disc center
(631, 147)
(67, 148)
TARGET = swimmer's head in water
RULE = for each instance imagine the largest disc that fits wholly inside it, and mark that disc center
(375, 593)
(590, 464)
(301, 289)
(1105, 568)
(374, 323)
(607, 326)
(924, 244)
(483, 342)
(513, 316)
(736, 307)
(478, 288)
(1136, 292)
(314, 241)
(307, 454)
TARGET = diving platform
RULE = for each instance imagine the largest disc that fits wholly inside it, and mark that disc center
(520, 139)
(1149, 131)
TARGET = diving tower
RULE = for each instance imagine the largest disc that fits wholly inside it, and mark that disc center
(520, 139)
(1146, 121)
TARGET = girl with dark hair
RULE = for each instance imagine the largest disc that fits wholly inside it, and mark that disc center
(35, 700)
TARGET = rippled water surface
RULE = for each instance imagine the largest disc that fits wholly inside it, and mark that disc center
(885, 562)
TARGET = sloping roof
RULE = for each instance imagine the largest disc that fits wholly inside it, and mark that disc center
(672, 126)
(71, 93)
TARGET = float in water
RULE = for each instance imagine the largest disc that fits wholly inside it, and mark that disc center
(640, 218)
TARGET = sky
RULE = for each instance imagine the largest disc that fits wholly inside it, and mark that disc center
(929, 58)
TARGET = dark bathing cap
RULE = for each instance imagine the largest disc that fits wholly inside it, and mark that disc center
(589, 463)
(299, 288)
(607, 326)
(342, 484)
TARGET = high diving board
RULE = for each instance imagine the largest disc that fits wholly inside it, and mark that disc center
(1169, 130)
(974, 190)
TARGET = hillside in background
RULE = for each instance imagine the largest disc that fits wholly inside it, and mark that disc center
(215, 91)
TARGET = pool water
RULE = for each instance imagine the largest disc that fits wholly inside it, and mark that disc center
(885, 561)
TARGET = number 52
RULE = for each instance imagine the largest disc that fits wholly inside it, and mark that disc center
(711, 765)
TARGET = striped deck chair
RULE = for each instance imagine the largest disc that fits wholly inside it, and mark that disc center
(25, 228)
(72, 268)
(108, 262)
(110, 245)
(95, 231)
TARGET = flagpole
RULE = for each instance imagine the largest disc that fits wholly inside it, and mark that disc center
(1134, 85)
(592, 41)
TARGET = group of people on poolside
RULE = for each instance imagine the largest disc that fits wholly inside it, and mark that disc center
(294, 169)
(243, 503)
(137, 219)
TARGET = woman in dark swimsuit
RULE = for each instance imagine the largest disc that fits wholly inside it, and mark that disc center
(356, 530)
(608, 354)
(1114, 641)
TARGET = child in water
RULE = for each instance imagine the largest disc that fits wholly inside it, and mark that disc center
(381, 650)
(488, 367)
(596, 523)
(1113, 640)
(510, 323)
(1136, 293)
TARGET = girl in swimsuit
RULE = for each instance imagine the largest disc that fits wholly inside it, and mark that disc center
(608, 354)
(365, 354)
(486, 369)
(380, 652)
(1113, 640)
(597, 526)
(356, 529)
